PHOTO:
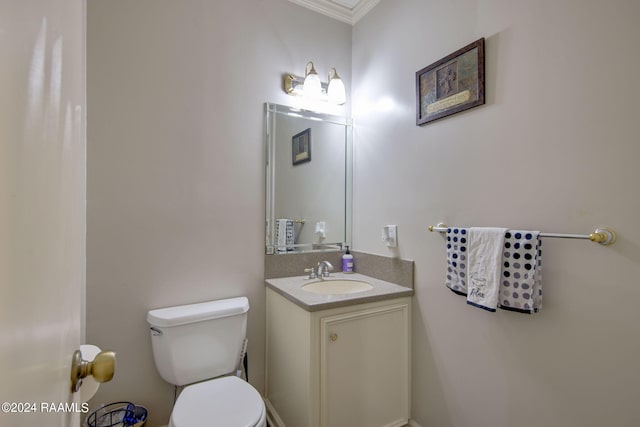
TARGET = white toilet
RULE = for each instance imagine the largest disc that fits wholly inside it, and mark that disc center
(192, 345)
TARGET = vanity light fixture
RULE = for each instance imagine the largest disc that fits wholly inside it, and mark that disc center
(311, 87)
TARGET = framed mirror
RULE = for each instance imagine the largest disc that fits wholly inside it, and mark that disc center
(308, 180)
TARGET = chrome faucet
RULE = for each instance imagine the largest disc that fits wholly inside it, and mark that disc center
(324, 267)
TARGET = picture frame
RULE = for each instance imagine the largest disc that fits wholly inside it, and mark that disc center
(453, 84)
(301, 147)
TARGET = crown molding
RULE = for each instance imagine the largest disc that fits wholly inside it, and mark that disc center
(337, 11)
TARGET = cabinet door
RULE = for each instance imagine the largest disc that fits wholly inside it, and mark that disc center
(364, 368)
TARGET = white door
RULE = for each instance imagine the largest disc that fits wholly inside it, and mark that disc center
(42, 208)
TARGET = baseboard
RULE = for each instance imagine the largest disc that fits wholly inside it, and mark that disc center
(273, 418)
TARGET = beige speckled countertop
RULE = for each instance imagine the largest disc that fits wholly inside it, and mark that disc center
(291, 288)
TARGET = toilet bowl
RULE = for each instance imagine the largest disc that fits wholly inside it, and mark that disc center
(198, 346)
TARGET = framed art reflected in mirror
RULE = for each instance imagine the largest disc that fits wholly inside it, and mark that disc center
(301, 147)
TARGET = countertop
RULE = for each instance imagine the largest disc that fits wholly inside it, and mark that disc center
(291, 288)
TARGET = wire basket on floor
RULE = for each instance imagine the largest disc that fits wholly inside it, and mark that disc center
(118, 414)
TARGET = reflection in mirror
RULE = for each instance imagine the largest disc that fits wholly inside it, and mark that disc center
(308, 180)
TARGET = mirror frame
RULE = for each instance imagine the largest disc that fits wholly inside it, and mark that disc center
(271, 112)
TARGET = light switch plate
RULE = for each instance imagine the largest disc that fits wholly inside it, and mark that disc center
(390, 235)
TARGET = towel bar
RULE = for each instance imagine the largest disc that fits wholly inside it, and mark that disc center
(605, 236)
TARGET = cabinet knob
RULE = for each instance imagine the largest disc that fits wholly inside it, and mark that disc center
(334, 337)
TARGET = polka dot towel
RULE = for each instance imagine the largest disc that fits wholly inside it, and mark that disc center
(521, 287)
(457, 260)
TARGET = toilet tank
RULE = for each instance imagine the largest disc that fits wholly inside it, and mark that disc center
(197, 342)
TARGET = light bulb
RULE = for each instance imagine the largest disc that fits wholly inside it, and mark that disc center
(312, 87)
(336, 91)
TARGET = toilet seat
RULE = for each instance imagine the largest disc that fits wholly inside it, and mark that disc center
(227, 401)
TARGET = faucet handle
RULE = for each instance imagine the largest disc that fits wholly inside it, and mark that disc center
(312, 273)
(324, 268)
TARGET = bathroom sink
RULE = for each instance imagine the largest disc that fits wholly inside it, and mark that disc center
(337, 286)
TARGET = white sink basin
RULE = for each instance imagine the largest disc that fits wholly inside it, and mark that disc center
(337, 286)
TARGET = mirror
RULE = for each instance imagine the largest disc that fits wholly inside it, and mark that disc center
(308, 180)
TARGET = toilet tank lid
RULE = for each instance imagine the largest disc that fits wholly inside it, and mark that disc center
(184, 314)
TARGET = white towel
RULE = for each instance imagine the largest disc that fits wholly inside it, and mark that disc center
(484, 266)
(284, 235)
(521, 287)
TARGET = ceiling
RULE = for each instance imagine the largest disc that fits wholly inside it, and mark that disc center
(349, 11)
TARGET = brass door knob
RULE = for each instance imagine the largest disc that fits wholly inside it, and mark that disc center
(102, 368)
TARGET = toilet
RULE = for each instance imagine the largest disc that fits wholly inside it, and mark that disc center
(199, 346)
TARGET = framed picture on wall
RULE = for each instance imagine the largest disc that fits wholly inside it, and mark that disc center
(453, 84)
(301, 147)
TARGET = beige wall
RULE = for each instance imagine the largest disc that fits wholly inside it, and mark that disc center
(555, 148)
(175, 163)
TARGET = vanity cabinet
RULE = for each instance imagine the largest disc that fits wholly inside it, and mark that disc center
(346, 366)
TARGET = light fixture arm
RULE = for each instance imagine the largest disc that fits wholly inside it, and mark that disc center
(333, 74)
(309, 69)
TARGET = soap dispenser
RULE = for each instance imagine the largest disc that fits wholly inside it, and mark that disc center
(347, 262)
